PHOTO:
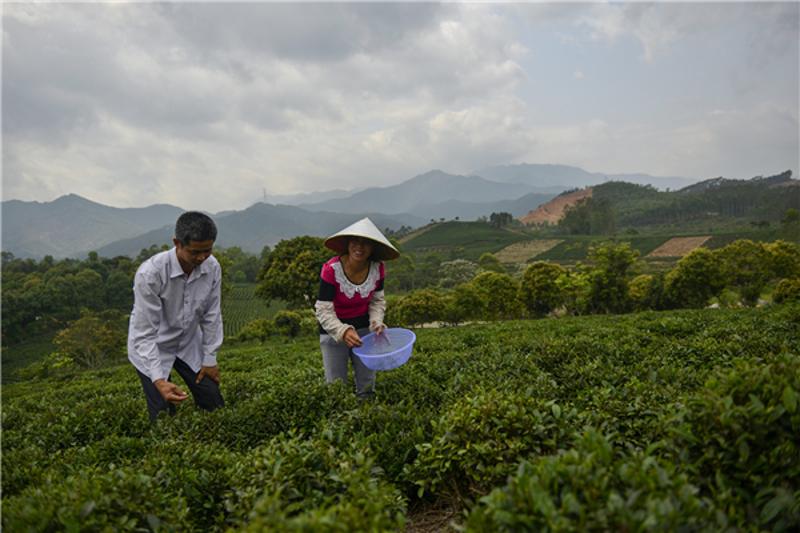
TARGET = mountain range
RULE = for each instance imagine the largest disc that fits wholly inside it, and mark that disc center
(71, 226)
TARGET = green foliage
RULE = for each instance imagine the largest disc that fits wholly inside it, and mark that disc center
(788, 290)
(419, 307)
(476, 443)
(284, 324)
(739, 435)
(608, 280)
(456, 272)
(589, 216)
(95, 339)
(241, 306)
(290, 452)
(647, 291)
(472, 238)
(288, 323)
(500, 291)
(312, 484)
(746, 267)
(590, 488)
(466, 302)
(490, 263)
(696, 278)
(121, 499)
(784, 259)
(539, 290)
(500, 220)
(291, 271)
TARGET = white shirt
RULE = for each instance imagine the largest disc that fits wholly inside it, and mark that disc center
(175, 315)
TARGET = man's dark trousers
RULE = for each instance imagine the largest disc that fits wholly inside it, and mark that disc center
(206, 394)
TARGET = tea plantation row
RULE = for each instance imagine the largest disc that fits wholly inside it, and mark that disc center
(652, 421)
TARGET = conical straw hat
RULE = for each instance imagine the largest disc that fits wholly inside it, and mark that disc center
(383, 249)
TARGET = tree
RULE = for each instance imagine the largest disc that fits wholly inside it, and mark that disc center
(788, 290)
(466, 302)
(696, 278)
(746, 267)
(500, 220)
(420, 307)
(500, 292)
(456, 272)
(400, 274)
(647, 291)
(784, 259)
(291, 271)
(93, 340)
(539, 291)
(489, 262)
(608, 279)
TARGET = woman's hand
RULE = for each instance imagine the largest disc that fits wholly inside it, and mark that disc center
(351, 338)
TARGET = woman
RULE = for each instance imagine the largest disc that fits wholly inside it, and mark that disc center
(351, 301)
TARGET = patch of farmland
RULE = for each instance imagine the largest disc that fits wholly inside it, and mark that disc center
(679, 246)
(520, 252)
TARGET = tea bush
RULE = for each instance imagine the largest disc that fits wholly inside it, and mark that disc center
(590, 488)
(694, 417)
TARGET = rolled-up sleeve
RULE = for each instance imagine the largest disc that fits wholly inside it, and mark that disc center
(211, 323)
(146, 319)
(377, 310)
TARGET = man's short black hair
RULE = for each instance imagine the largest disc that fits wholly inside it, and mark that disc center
(195, 226)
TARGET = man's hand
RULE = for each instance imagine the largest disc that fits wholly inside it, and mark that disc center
(169, 391)
(212, 372)
(351, 338)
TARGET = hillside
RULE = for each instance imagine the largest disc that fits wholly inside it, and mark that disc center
(467, 240)
(568, 177)
(263, 224)
(629, 417)
(425, 190)
(718, 203)
(552, 211)
(71, 225)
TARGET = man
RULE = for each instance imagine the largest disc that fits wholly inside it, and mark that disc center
(176, 320)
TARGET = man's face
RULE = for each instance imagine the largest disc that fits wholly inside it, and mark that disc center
(193, 254)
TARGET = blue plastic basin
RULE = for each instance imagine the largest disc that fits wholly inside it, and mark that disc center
(386, 351)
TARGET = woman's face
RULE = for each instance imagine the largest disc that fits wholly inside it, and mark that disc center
(359, 249)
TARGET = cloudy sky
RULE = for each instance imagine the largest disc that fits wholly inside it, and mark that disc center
(207, 105)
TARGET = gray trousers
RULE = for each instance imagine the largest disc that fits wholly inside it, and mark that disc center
(335, 356)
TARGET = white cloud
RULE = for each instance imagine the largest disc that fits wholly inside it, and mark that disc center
(204, 105)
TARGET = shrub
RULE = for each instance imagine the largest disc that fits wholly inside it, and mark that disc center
(588, 488)
(288, 323)
(93, 340)
(259, 329)
(739, 434)
(419, 307)
(477, 442)
(539, 291)
(295, 483)
(788, 290)
(696, 278)
(122, 499)
(500, 291)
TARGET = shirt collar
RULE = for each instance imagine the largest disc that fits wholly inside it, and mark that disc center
(176, 270)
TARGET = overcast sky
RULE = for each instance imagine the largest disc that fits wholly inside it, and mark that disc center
(207, 105)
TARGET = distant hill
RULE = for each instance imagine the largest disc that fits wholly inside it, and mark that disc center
(262, 224)
(552, 211)
(474, 210)
(424, 194)
(567, 177)
(470, 239)
(72, 224)
(718, 202)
